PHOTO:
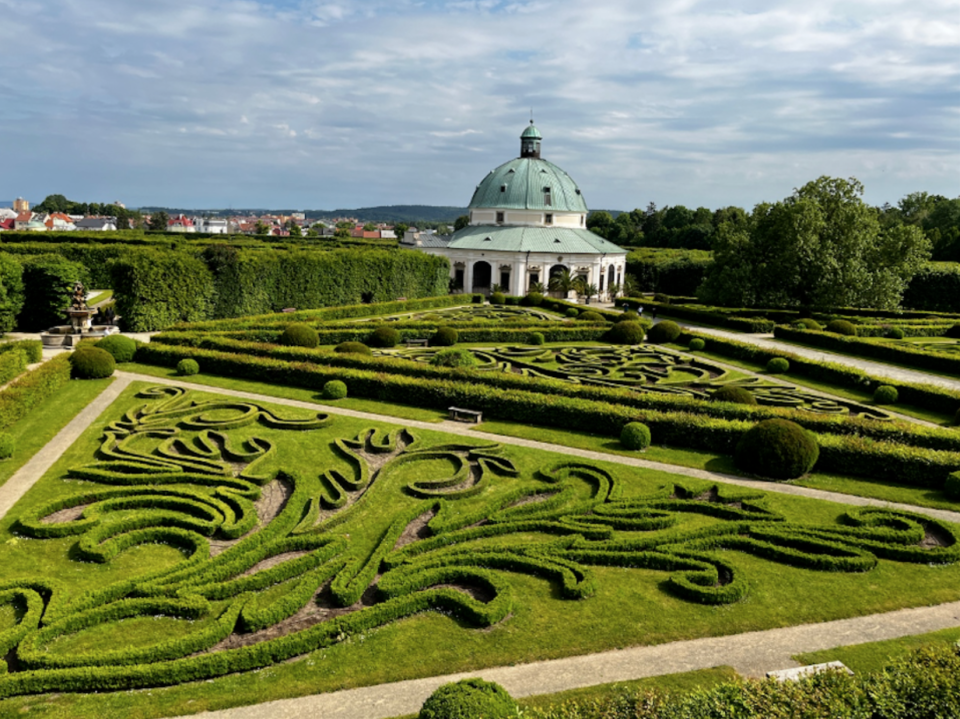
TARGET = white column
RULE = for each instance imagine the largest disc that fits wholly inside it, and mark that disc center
(518, 278)
(468, 276)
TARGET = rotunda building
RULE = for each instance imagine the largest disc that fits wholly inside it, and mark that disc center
(528, 224)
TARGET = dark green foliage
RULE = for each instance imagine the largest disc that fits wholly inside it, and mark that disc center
(591, 316)
(952, 486)
(536, 338)
(444, 337)
(12, 364)
(48, 282)
(469, 699)
(740, 319)
(11, 291)
(807, 323)
(841, 327)
(733, 393)
(953, 332)
(572, 312)
(454, 357)
(895, 333)
(497, 298)
(697, 344)
(885, 394)
(32, 349)
(299, 335)
(334, 389)
(187, 367)
(635, 436)
(33, 389)
(663, 332)
(122, 348)
(626, 333)
(357, 348)
(154, 289)
(477, 299)
(92, 363)
(956, 418)
(935, 287)
(7, 445)
(778, 365)
(628, 316)
(777, 448)
(384, 337)
(674, 272)
(533, 299)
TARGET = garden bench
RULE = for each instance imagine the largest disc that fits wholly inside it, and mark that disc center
(289, 309)
(465, 415)
(417, 342)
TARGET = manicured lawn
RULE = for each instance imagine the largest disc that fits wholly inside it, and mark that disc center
(631, 605)
(879, 489)
(873, 656)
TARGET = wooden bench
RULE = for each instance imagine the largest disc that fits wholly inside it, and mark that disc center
(465, 415)
(417, 342)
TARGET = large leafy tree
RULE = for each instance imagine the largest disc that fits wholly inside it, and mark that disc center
(820, 247)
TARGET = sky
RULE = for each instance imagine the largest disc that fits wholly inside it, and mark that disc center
(326, 105)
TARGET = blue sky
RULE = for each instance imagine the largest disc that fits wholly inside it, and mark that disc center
(320, 105)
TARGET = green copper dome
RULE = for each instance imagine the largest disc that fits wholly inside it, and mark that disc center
(531, 131)
(529, 183)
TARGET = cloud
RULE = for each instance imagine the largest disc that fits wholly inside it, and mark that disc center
(337, 104)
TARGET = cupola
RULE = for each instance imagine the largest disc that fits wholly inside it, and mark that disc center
(530, 142)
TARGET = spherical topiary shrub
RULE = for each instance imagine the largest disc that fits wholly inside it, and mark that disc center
(842, 327)
(732, 393)
(894, 333)
(7, 445)
(537, 338)
(666, 331)
(334, 389)
(352, 348)
(533, 299)
(807, 323)
(954, 332)
(591, 316)
(635, 436)
(777, 448)
(885, 394)
(628, 316)
(626, 333)
(697, 344)
(91, 363)
(469, 699)
(778, 365)
(497, 298)
(187, 367)
(299, 335)
(122, 348)
(445, 337)
(384, 337)
(572, 312)
(454, 357)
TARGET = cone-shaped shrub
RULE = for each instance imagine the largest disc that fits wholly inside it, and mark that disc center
(635, 436)
(299, 335)
(732, 393)
(666, 331)
(842, 327)
(91, 363)
(334, 389)
(384, 337)
(777, 448)
(445, 337)
(626, 333)
(122, 348)
(356, 348)
(187, 367)
(469, 699)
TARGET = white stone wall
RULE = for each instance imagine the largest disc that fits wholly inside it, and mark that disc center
(528, 218)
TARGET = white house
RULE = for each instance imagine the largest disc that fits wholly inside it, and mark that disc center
(527, 224)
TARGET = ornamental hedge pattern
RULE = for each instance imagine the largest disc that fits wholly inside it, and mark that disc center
(279, 560)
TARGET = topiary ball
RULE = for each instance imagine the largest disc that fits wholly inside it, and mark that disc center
(7, 445)
(469, 699)
(537, 338)
(533, 299)
(122, 348)
(635, 436)
(334, 389)
(91, 363)
(662, 332)
(454, 357)
(187, 367)
(497, 298)
(384, 337)
(355, 348)
(953, 332)
(733, 393)
(572, 312)
(807, 323)
(778, 365)
(299, 335)
(895, 333)
(842, 327)
(628, 316)
(445, 337)
(626, 333)
(696, 344)
(885, 394)
(591, 316)
(777, 448)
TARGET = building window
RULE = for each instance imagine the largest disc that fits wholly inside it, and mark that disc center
(548, 219)
(503, 188)
(505, 281)
(534, 278)
(583, 219)
(547, 200)
(499, 217)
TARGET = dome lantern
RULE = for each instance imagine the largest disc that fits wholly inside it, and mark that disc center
(530, 142)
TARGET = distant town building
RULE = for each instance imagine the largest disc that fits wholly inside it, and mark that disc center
(97, 224)
(21, 205)
(180, 223)
(214, 227)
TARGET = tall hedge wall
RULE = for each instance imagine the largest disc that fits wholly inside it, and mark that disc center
(48, 282)
(936, 288)
(11, 292)
(675, 272)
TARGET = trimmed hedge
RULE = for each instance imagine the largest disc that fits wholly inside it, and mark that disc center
(469, 699)
(299, 335)
(11, 291)
(384, 337)
(777, 448)
(122, 348)
(33, 390)
(696, 344)
(48, 282)
(841, 327)
(7, 445)
(536, 338)
(187, 367)
(664, 332)
(334, 389)
(935, 287)
(91, 363)
(32, 349)
(626, 333)
(357, 348)
(457, 357)
(885, 394)
(12, 364)
(444, 337)
(778, 365)
(635, 436)
(733, 393)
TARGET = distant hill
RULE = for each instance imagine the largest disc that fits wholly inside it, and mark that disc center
(384, 213)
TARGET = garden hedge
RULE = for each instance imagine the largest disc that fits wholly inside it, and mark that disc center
(12, 364)
(48, 282)
(11, 291)
(777, 448)
(91, 363)
(122, 348)
(469, 699)
(33, 390)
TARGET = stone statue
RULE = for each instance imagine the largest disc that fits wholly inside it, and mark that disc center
(79, 297)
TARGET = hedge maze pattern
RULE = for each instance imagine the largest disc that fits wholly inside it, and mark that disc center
(643, 369)
(281, 560)
(474, 313)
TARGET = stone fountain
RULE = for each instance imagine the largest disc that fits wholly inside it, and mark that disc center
(81, 324)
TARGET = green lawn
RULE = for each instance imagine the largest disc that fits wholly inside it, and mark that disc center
(631, 606)
(873, 656)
